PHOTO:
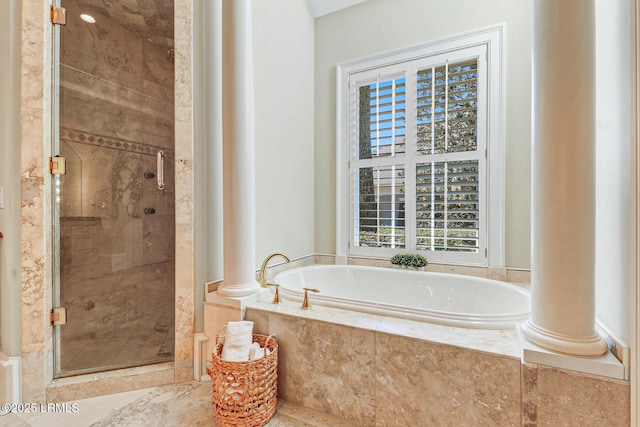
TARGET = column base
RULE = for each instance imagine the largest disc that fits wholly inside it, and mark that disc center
(237, 291)
(592, 345)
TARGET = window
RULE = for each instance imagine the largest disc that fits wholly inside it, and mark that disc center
(419, 132)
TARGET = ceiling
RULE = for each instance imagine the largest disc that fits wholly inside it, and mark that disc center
(153, 19)
(324, 7)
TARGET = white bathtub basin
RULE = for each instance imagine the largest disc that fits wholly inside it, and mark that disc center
(446, 299)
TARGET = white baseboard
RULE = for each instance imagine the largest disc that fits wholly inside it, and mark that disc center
(10, 389)
(199, 357)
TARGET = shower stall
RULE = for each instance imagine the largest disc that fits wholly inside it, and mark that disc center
(113, 207)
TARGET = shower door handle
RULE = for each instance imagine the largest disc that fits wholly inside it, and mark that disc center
(160, 169)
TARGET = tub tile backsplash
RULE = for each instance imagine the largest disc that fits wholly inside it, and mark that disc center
(496, 273)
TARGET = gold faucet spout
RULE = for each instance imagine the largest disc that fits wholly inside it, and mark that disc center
(262, 277)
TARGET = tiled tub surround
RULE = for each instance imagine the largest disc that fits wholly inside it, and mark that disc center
(375, 370)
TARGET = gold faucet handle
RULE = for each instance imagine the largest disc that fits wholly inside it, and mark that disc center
(276, 295)
(305, 302)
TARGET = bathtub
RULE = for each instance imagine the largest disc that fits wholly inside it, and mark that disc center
(445, 299)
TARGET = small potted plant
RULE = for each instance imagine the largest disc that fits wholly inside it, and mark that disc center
(409, 261)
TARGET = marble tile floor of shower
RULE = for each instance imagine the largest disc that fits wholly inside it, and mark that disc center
(180, 404)
(117, 319)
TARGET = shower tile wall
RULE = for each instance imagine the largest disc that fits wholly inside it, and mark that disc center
(117, 273)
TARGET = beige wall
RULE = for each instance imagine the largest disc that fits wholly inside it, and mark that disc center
(283, 43)
(615, 169)
(359, 31)
(283, 60)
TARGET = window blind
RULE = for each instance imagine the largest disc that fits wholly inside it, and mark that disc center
(447, 110)
(381, 119)
(430, 162)
(447, 192)
(381, 207)
(447, 211)
(420, 151)
(379, 199)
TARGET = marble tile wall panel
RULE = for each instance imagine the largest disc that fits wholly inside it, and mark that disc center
(79, 248)
(34, 228)
(326, 367)
(113, 188)
(95, 106)
(566, 398)
(104, 49)
(185, 302)
(325, 259)
(111, 75)
(184, 192)
(152, 19)
(443, 385)
(529, 385)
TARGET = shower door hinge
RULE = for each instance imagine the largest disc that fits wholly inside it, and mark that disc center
(57, 165)
(58, 15)
(58, 316)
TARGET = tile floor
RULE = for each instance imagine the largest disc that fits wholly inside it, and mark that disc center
(180, 404)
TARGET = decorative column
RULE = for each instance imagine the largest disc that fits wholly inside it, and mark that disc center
(563, 167)
(238, 151)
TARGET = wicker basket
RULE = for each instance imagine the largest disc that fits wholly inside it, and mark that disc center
(245, 393)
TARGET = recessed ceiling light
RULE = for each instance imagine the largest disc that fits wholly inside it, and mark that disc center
(88, 18)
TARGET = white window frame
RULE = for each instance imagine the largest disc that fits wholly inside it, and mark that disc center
(491, 40)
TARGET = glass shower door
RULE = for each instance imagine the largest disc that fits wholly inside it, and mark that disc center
(114, 217)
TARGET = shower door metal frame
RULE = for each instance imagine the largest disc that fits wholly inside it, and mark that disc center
(55, 182)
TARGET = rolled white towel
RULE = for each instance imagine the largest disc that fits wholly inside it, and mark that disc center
(237, 341)
(257, 352)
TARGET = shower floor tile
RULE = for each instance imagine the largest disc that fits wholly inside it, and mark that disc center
(119, 319)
